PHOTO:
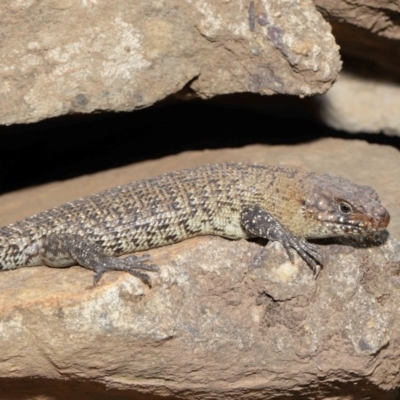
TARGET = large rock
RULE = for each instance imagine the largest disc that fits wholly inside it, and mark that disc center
(376, 16)
(214, 325)
(362, 104)
(367, 95)
(220, 321)
(59, 57)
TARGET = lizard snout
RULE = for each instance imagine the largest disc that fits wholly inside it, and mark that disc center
(381, 219)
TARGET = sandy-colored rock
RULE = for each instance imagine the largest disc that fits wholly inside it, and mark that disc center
(364, 99)
(212, 326)
(59, 57)
(216, 324)
(377, 16)
(358, 103)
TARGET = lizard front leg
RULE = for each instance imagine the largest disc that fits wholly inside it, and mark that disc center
(263, 224)
(59, 250)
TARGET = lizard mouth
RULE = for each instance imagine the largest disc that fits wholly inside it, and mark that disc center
(366, 224)
(359, 224)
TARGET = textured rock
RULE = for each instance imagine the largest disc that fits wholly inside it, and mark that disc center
(365, 99)
(59, 57)
(377, 16)
(215, 325)
(212, 326)
(362, 104)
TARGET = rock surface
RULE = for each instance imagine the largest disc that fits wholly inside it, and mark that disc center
(367, 93)
(358, 103)
(377, 16)
(124, 56)
(215, 324)
(60, 57)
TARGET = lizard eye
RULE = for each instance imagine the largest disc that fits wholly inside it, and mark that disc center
(345, 208)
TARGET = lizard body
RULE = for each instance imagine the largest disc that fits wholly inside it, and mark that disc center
(232, 200)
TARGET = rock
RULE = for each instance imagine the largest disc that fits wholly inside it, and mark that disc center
(216, 324)
(360, 104)
(213, 325)
(375, 16)
(367, 93)
(64, 57)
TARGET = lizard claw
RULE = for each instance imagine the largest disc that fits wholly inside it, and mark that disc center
(132, 264)
(137, 262)
(135, 258)
(261, 223)
(308, 252)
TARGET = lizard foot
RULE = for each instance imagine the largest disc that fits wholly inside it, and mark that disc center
(132, 264)
(263, 224)
(60, 250)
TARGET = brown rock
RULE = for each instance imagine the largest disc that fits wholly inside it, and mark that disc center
(216, 324)
(62, 57)
(378, 17)
(366, 96)
(362, 104)
(212, 324)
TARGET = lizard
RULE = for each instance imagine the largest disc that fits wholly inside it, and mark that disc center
(232, 200)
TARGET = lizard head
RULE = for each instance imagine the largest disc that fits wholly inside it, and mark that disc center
(339, 207)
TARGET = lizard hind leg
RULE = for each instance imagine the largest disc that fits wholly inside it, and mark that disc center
(263, 224)
(60, 250)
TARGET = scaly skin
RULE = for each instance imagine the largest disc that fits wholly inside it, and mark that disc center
(232, 200)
